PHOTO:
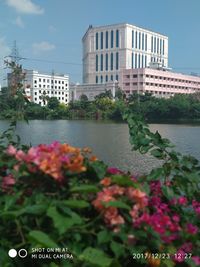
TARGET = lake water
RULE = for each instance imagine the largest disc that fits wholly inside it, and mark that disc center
(108, 140)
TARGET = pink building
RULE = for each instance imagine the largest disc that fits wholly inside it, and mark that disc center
(158, 82)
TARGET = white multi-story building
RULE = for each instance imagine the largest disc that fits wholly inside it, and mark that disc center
(111, 48)
(40, 86)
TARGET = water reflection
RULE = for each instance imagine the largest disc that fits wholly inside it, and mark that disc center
(109, 141)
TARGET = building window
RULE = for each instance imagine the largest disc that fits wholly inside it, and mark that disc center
(117, 38)
(106, 78)
(106, 61)
(135, 60)
(44, 80)
(151, 44)
(142, 41)
(107, 39)
(145, 42)
(40, 80)
(160, 46)
(117, 77)
(132, 39)
(35, 81)
(97, 41)
(101, 62)
(145, 61)
(132, 64)
(117, 61)
(96, 79)
(58, 81)
(35, 93)
(111, 77)
(101, 79)
(55, 81)
(139, 40)
(136, 37)
(154, 44)
(112, 39)
(157, 45)
(35, 98)
(139, 66)
(142, 61)
(101, 40)
(96, 62)
(111, 61)
(163, 47)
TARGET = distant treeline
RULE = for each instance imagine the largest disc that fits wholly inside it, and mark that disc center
(179, 107)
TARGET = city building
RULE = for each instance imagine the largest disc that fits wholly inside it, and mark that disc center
(158, 82)
(109, 49)
(39, 86)
(91, 90)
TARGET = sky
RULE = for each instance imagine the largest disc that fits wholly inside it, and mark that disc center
(48, 33)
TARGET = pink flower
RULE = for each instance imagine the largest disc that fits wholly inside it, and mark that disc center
(179, 256)
(7, 181)
(11, 150)
(20, 155)
(113, 170)
(192, 229)
(187, 247)
(182, 200)
(196, 260)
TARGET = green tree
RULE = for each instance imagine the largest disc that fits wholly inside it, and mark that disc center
(53, 103)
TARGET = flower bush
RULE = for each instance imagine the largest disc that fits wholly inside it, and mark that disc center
(60, 196)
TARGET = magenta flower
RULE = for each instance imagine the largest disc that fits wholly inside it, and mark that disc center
(113, 170)
(196, 260)
(192, 229)
(182, 200)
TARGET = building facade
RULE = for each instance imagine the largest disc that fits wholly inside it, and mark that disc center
(39, 86)
(109, 49)
(158, 82)
(91, 90)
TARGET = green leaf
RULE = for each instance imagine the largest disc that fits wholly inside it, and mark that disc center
(117, 204)
(84, 189)
(36, 209)
(42, 238)
(99, 168)
(168, 263)
(96, 257)
(61, 223)
(123, 180)
(117, 248)
(157, 153)
(103, 237)
(72, 203)
(168, 193)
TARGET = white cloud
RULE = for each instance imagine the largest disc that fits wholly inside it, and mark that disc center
(42, 47)
(25, 6)
(19, 22)
(52, 29)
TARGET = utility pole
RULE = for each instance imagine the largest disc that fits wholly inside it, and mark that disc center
(16, 77)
